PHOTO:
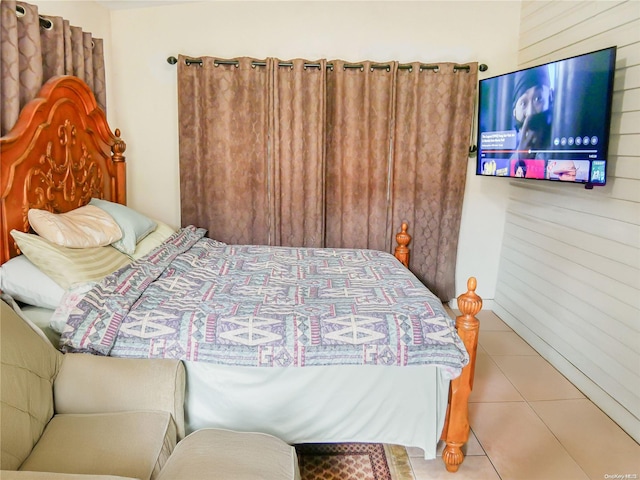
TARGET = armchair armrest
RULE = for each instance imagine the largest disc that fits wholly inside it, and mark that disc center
(93, 384)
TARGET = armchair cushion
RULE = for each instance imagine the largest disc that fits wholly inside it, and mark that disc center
(130, 444)
(218, 454)
(92, 384)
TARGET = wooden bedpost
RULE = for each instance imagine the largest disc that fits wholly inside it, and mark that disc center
(402, 250)
(120, 177)
(456, 427)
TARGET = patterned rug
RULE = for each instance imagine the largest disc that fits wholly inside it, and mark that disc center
(353, 461)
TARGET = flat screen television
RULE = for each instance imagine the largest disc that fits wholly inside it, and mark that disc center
(549, 122)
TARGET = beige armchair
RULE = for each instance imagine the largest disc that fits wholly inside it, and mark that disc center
(82, 414)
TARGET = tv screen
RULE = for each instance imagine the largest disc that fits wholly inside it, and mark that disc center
(549, 122)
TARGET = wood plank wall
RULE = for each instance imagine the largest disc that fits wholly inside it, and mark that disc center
(569, 275)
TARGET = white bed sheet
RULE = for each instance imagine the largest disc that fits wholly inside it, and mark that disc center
(396, 405)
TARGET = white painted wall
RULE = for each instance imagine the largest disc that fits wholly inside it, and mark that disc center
(569, 275)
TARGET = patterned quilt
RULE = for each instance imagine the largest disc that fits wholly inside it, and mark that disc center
(197, 299)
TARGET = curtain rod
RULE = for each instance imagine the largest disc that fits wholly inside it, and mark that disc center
(379, 66)
(44, 22)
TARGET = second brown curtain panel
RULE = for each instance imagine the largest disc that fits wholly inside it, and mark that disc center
(327, 154)
(35, 48)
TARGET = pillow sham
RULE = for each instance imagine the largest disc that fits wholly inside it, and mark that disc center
(24, 282)
(87, 226)
(134, 225)
(153, 240)
(68, 266)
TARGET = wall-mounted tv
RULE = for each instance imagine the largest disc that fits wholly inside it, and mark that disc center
(549, 122)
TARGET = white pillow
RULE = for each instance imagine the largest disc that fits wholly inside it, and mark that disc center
(134, 225)
(26, 283)
(84, 227)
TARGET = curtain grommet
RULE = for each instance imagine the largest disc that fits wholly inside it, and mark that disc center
(46, 24)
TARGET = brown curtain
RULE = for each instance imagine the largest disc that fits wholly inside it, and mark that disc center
(434, 111)
(298, 154)
(224, 139)
(252, 150)
(360, 115)
(35, 48)
(328, 154)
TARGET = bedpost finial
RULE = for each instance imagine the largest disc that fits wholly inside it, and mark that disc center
(470, 303)
(402, 250)
(472, 283)
(402, 237)
(118, 148)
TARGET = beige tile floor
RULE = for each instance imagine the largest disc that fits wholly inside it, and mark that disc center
(529, 422)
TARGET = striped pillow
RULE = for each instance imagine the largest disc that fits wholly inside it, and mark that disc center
(69, 266)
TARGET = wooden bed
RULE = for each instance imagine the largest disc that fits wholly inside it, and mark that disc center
(62, 152)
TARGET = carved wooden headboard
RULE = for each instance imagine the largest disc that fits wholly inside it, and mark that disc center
(60, 153)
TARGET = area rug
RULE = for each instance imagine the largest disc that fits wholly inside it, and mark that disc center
(353, 461)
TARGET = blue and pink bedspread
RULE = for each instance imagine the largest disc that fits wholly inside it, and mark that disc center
(197, 299)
